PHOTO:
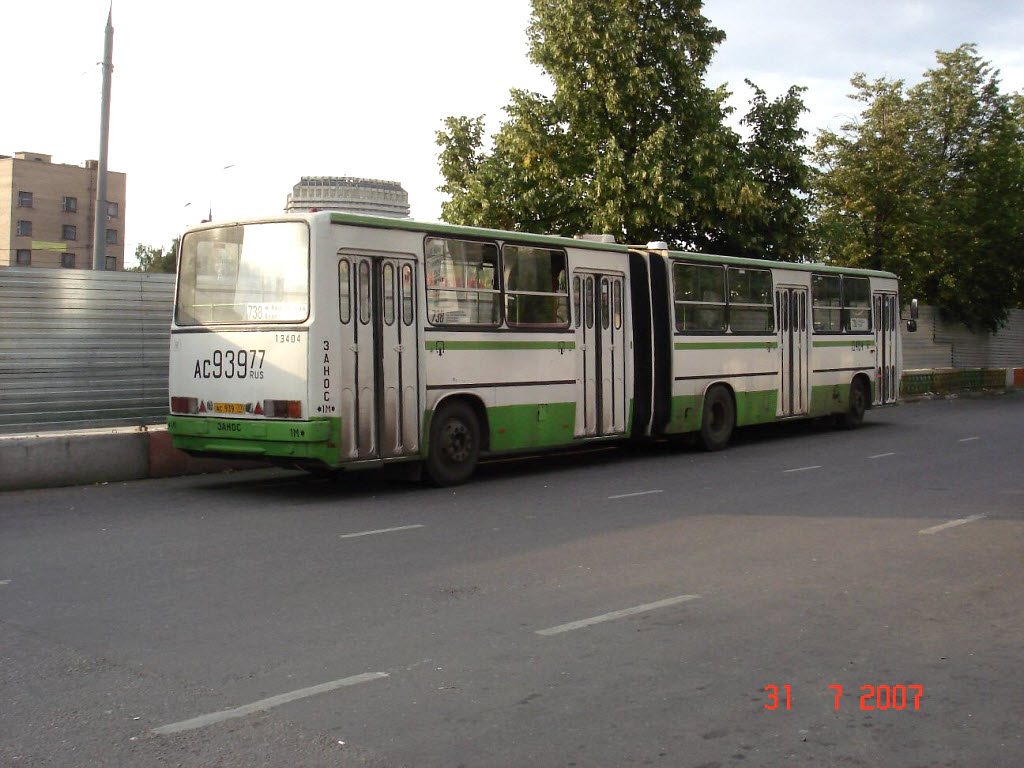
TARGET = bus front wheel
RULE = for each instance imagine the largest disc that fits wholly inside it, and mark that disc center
(454, 444)
(718, 419)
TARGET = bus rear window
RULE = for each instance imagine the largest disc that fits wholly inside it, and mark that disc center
(251, 273)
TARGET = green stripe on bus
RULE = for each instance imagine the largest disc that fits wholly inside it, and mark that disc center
(727, 345)
(444, 346)
(846, 343)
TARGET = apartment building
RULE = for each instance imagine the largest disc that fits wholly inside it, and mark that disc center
(351, 195)
(47, 213)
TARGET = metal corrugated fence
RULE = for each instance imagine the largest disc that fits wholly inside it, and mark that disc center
(82, 349)
(89, 349)
(942, 344)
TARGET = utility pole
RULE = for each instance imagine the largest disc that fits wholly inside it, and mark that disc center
(99, 230)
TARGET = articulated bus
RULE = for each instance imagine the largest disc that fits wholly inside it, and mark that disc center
(328, 341)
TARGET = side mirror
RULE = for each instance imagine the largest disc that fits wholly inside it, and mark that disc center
(914, 311)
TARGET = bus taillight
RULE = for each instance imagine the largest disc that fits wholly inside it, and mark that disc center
(282, 409)
(184, 405)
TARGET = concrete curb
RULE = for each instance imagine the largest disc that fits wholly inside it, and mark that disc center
(83, 457)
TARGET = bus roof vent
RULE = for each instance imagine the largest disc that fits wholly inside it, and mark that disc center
(657, 245)
(596, 238)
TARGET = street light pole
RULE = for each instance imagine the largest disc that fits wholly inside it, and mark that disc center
(99, 229)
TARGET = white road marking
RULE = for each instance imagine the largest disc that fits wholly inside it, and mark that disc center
(801, 469)
(638, 493)
(380, 530)
(5, 582)
(967, 439)
(881, 455)
(264, 704)
(952, 524)
(615, 615)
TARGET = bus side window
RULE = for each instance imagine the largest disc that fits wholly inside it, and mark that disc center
(389, 294)
(344, 291)
(576, 290)
(617, 296)
(407, 305)
(364, 292)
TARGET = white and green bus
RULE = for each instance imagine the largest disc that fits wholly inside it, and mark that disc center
(328, 340)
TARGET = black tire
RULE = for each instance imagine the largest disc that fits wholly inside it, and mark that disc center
(718, 419)
(454, 444)
(854, 415)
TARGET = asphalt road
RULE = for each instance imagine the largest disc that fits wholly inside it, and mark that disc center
(630, 606)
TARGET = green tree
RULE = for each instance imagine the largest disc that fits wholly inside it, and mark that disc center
(630, 143)
(153, 259)
(929, 183)
(776, 227)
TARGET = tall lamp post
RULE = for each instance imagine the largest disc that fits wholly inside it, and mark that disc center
(99, 229)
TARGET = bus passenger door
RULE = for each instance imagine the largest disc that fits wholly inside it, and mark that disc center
(887, 327)
(600, 357)
(380, 401)
(794, 346)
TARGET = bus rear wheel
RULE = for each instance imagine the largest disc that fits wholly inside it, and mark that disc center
(454, 444)
(718, 419)
(854, 415)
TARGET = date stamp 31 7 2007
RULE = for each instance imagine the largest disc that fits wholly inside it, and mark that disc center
(872, 697)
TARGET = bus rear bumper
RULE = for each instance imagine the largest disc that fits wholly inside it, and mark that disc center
(315, 440)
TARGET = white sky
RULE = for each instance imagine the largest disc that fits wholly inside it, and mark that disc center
(357, 88)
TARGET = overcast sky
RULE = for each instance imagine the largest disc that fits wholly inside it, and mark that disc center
(354, 88)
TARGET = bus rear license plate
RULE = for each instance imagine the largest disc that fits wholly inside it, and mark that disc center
(228, 408)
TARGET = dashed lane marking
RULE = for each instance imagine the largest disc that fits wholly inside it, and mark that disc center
(630, 495)
(615, 615)
(379, 530)
(952, 524)
(264, 704)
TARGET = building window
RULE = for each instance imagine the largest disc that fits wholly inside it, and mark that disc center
(24, 199)
(67, 260)
(111, 237)
(24, 257)
(70, 205)
(24, 228)
(69, 232)
(111, 263)
(111, 210)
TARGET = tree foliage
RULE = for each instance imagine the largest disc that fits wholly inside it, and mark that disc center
(631, 142)
(153, 259)
(929, 182)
